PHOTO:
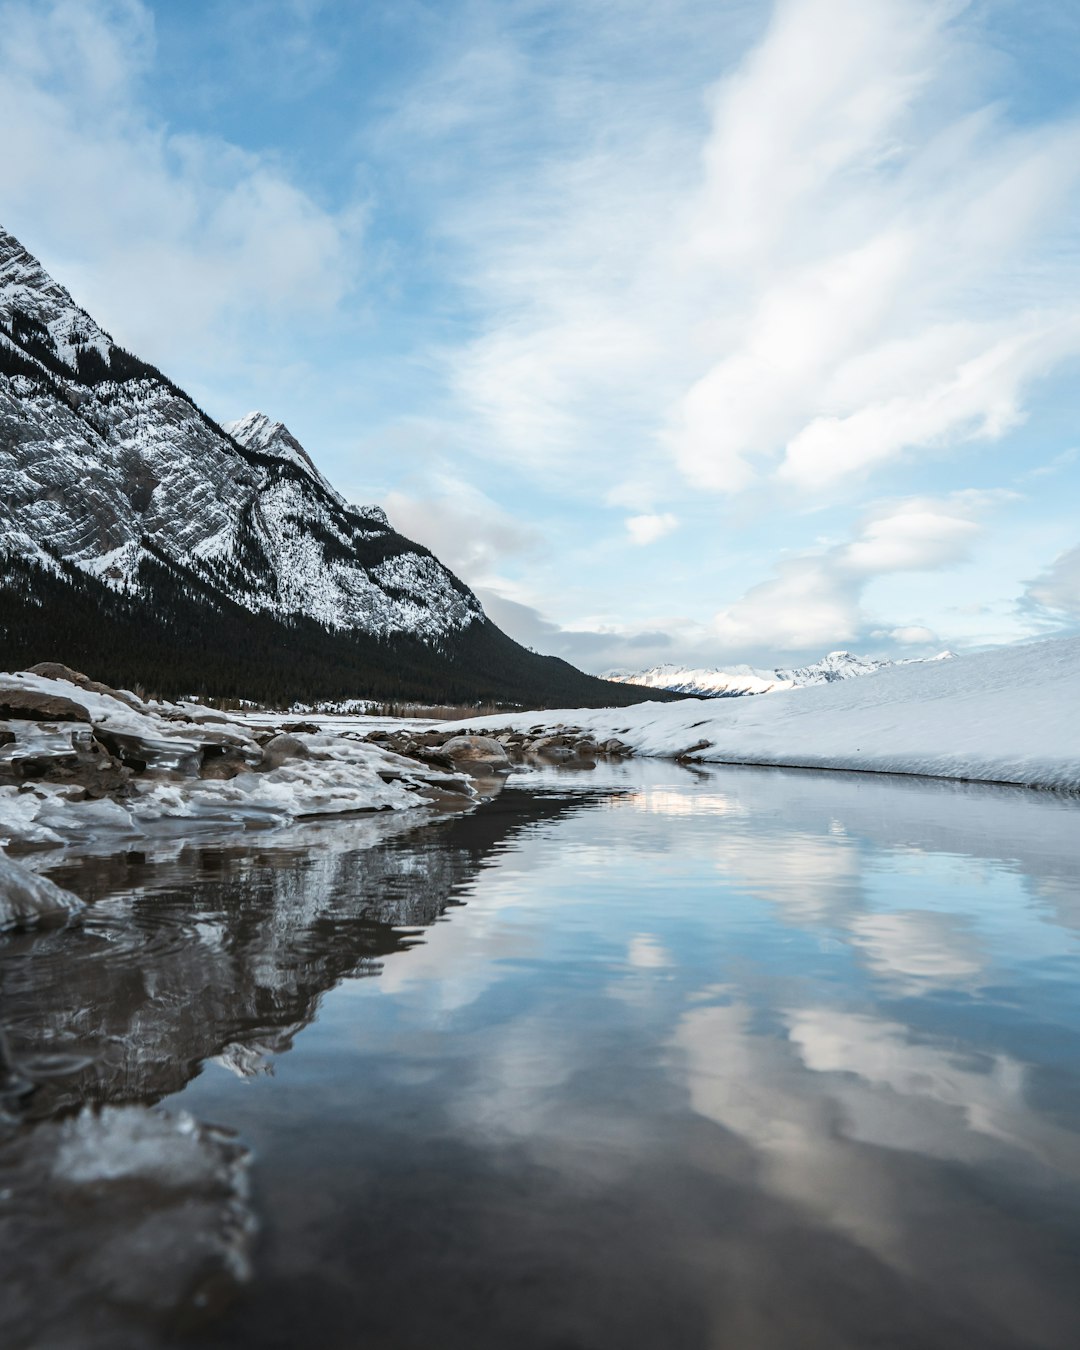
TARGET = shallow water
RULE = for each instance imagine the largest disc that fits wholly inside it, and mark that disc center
(644, 1057)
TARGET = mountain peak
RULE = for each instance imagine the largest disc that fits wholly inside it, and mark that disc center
(31, 300)
(256, 431)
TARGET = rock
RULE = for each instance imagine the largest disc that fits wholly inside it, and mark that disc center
(552, 747)
(64, 755)
(27, 899)
(693, 749)
(477, 754)
(282, 747)
(55, 670)
(301, 728)
(222, 762)
(32, 704)
(435, 756)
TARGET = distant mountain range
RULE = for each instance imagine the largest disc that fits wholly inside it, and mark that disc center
(141, 540)
(736, 681)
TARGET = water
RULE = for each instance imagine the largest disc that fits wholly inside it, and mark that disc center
(647, 1057)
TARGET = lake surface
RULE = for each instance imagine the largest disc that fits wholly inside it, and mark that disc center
(644, 1057)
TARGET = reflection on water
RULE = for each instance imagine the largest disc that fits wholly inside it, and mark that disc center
(739, 1058)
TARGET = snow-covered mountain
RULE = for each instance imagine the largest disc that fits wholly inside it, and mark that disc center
(105, 461)
(736, 681)
(137, 534)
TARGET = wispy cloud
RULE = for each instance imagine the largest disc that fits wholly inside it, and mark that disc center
(1052, 599)
(852, 257)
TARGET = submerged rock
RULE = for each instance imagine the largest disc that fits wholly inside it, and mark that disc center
(27, 899)
(163, 1232)
(477, 754)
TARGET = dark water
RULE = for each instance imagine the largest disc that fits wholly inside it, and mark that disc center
(641, 1058)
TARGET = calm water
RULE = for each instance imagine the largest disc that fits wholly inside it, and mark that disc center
(639, 1058)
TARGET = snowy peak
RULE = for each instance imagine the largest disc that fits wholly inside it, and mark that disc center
(736, 681)
(257, 432)
(261, 434)
(38, 315)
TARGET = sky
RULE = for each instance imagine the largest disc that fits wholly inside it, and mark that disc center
(694, 331)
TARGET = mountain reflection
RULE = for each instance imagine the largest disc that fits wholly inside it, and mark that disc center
(222, 952)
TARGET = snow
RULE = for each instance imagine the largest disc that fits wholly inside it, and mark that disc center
(1010, 715)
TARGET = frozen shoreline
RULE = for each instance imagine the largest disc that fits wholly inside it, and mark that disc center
(79, 760)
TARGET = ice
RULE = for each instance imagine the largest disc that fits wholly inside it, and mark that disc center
(164, 1226)
(174, 752)
(27, 899)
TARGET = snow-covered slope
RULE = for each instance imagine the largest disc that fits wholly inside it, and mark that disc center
(1010, 715)
(735, 681)
(104, 460)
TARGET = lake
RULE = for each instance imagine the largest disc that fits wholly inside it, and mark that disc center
(646, 1056)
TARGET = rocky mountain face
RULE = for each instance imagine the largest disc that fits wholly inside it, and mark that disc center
(105, 460)
(736, 681)
(119, 488)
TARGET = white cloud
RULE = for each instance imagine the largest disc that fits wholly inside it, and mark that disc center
(1053, 598)
(914, 635)
(463, 527)
(647, 529)
(187, 247)
(981, 397)
(813, 600)
(591, 645)
(856, 258)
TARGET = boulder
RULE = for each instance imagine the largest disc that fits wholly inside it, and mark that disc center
(552, 747)
(55, 670)
(32, 704)
(27, 899)
(282, 747)
(477, 754)
(222, 762)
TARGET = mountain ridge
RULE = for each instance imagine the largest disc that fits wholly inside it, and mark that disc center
(738, 681)
(112, 470)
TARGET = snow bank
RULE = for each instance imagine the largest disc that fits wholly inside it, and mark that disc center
(1010, 715)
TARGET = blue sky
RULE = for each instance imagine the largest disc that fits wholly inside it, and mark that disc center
(701, 332)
